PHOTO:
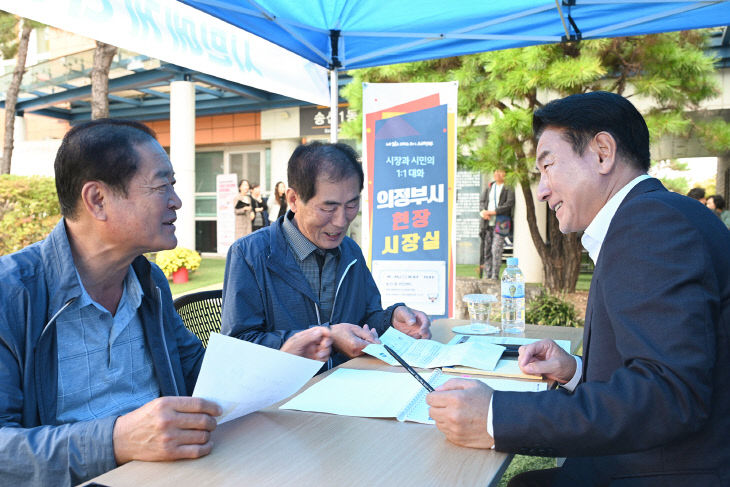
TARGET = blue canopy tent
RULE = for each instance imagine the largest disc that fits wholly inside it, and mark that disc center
(350, 34)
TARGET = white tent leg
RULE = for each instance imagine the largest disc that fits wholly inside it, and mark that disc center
(334, 105)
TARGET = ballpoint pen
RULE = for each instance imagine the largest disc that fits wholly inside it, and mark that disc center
(409, 369)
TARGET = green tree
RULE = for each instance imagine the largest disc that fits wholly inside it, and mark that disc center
(674, 180)
(669, 70)
(29, 210)
(14, 39)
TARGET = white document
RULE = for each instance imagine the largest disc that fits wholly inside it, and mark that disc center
(243, 377)
(506, 367)
(428, 354)
(377, 394)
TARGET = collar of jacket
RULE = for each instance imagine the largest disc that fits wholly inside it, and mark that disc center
(285, 265)
(645, 186)
(60, 271)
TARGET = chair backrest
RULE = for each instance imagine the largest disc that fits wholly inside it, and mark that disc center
(201, 312)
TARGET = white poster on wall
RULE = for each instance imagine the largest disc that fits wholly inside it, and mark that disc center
(226, 189)
(419, 283)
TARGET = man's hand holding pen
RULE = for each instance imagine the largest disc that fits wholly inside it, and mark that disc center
(459, 408)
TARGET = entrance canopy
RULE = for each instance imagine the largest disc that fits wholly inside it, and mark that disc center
(183, 36)
(139, 88)
(349, 34)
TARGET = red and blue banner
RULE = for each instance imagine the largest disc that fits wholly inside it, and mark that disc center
(410, 154)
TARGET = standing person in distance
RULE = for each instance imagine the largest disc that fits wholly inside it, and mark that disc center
(259, 209)
(278, 205)
(697, 194)
(717, 204)
(242, 209)
(497, 202)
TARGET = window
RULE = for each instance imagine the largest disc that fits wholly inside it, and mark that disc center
(209, 164)
(246, 165)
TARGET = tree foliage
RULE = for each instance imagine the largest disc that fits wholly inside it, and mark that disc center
(8, 35)
(29, 210)
(552, 310)
(500, 90)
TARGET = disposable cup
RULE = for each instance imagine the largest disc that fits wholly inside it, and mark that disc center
(480, 306)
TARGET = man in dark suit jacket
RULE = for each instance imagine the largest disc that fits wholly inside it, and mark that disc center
(650, 404)
(497, 199)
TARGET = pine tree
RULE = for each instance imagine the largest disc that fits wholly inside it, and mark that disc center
(671, 70)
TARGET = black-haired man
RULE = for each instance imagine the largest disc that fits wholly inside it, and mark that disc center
(95, 363)
(303, 271)
(697, 194)
(648, 403)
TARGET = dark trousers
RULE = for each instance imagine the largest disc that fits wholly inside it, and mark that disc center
(534, 478)
(490, 252)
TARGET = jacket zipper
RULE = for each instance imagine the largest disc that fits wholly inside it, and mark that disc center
(53, 318)
(339, 284)
(164, 341)
(316, 308)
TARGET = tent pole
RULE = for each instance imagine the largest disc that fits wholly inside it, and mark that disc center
(562, 19)
(334, 104)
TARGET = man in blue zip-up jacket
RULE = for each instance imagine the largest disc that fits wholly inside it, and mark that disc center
(94, 360)
(302, 271)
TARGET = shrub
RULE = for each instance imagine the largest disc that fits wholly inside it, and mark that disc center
(172, 260)
(550, 310)
(28, 210)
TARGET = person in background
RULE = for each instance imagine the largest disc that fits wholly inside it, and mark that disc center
(277, 203)
(717, 204)
(697, 194)
(96, 366)
(303, 271)
(242, 209)
(648, 403)
(259, 209)
(497, 203)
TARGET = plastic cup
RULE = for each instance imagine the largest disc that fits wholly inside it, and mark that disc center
(480, 306)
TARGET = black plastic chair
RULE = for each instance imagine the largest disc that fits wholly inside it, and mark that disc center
(201, 312)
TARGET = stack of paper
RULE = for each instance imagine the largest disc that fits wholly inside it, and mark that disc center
(429, 354)
(243, 377)
(377, 394)
(505, 367)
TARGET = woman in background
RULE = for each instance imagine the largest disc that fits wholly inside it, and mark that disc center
(717, 204)
(259, 208)
(242, 208)
(278, 207)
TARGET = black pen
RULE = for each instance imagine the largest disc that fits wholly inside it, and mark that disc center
(409, 369)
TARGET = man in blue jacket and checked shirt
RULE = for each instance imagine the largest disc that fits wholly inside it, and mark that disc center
(302, 271)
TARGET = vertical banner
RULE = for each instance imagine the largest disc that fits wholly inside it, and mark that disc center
(226, 189)
(409, 131)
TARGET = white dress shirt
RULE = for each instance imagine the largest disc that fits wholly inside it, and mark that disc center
(495, 193)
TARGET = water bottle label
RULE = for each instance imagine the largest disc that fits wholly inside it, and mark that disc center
(513, 289)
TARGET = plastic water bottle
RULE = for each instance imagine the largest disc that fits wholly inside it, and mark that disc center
(513, 298)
